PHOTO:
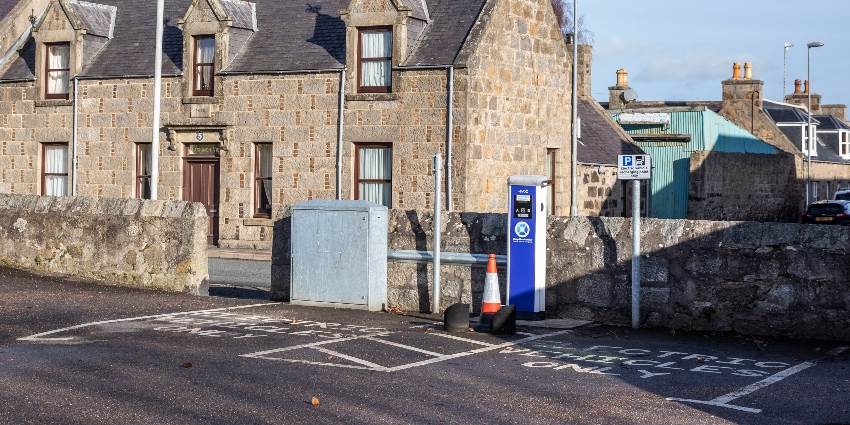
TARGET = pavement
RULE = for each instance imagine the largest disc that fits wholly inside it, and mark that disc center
(76, 353)
(240, 278)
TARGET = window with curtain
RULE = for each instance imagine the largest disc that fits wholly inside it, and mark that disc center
(845, 144)
(143, 170)
(551, 155)
(263, 180)
(376, 54)
(54, 180)
(204, 83)
(374, 174)
(57, 70)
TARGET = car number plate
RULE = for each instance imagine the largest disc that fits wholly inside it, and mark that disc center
(823, 219)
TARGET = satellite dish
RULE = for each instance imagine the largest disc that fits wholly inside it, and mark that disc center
(629, 95)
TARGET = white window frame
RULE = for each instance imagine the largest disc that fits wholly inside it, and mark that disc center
(844, 143)
(45, 174)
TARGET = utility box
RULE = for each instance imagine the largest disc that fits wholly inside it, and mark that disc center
(339, 254)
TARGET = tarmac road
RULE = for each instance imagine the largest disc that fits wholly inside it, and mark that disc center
(75, 353)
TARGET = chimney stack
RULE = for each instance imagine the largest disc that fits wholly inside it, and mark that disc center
(585, 71)
(838, 111)
(741, 97)
(616, 99)
(800, 97)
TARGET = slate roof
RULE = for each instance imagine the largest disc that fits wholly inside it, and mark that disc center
(451, 21)
(292, 36)
(785, 113)
(602, 140)
(828, 122)
(242, 13)
(98, 18)
(6, 6)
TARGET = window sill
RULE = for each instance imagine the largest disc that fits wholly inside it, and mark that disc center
(200, 100)
(371, 97)
(52, 102)
(257, 222)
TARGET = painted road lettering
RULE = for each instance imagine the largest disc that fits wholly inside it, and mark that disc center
(219, 324)
(648, 363)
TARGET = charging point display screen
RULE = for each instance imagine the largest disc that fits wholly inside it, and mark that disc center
(523, 207)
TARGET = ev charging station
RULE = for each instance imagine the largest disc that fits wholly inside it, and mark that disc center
(527, 218)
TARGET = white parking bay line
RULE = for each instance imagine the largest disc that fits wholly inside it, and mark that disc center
(366, 363)
(41, 337)
(406, 347)
(459, 338)
(724, 400)
(489, 347)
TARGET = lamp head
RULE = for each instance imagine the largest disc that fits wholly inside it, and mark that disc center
(814, 44)
(788, 46)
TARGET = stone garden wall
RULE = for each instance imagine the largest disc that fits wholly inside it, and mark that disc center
(753, 278)
(143, 244)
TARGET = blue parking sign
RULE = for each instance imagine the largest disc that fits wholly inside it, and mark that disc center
(627, 160)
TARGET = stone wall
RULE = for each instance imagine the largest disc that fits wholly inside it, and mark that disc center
(142, 244)
(600, 192)
(754, 278)
(743, 187)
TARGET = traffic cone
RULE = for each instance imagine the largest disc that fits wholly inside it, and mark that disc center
(492, 297)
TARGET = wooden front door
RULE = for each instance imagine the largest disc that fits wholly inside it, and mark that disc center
(200, 184)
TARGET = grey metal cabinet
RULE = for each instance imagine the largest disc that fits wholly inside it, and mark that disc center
(339, 254)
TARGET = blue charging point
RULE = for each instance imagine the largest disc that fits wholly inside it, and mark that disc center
(527, 216)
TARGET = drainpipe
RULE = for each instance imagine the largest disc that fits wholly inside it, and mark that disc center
(340, 128)
(74, 125)
(450, 138)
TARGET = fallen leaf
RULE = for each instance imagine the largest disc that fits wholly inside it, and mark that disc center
(186, 365)
(315, 402)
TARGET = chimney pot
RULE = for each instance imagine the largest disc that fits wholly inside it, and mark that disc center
(797, 84)
(622, 77)
(736, 71)
(806, 84)
(748, 71)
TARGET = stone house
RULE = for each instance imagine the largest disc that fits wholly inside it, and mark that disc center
(273, 102)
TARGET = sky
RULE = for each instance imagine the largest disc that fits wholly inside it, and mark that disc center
(682, 49)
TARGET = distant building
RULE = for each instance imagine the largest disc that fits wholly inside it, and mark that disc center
(671, 132)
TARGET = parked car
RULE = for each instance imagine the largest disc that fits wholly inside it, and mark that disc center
(842, 195)
(828, 212)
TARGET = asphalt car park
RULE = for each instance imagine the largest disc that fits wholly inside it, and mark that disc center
(76, 353)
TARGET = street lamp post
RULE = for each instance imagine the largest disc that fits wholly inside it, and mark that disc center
(157, 88)
(788, 47)
(811, 138)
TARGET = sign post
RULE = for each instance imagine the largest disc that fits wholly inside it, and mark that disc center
(635, 168)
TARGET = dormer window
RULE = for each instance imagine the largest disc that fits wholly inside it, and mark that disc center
(204, 66)
(844, 143)
(375, 60)
(57, 70)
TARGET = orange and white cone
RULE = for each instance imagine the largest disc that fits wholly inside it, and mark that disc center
(492, 297)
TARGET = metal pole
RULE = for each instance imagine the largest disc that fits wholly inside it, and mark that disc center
(574, 120)
(450, 119)
(435, 304)
(810, 136)
(157, 88)
(340, 129)
(788, 47)
(635, 254)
